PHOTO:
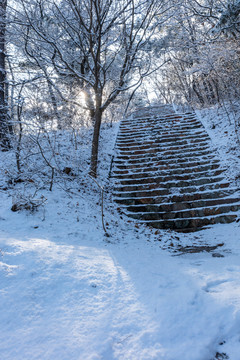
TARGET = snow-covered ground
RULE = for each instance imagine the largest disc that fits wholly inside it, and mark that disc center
(220, 125)
(69, 292)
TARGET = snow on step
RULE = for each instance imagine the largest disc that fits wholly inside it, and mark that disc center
(167, 174)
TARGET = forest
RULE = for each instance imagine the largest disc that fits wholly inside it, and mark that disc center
(79, 278)
(66, 65)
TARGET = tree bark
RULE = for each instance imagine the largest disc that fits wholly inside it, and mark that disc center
(54, 104)
(4, 141)
(95, 142)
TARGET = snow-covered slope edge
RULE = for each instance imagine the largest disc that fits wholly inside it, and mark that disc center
(220, 125)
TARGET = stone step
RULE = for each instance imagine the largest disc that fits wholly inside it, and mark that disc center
(162, 132)
(163, 165)
(186, 197)
(127, 174)
(135, 140)
(155, 124)
(160, 191)
(174, 121)
(196, 212)
(155, 116)
(179, 135)
(165, 150)
(158, 143)
(191, 224)
(134, 180)
(168, 184)
(180, 205)
(156, 119)
(159, 148)
(152, 116)
(163, 129)
(198, 155)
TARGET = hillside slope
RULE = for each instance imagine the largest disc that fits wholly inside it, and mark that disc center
(68, 291)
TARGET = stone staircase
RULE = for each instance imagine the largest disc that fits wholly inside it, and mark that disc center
(167, 174)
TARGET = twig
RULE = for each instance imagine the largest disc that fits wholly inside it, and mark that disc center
(102, 210)
(48, 163)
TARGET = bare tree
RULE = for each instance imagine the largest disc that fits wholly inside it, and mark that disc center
(4, 141)
(201, 44)
(102, 47)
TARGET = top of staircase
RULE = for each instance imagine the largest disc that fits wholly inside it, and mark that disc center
(150, 111)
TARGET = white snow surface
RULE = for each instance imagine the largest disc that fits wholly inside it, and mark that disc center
(69, 292)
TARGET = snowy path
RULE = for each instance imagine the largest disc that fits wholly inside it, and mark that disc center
(67, 294)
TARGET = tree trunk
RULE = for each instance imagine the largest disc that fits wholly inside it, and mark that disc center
(95, 142)
(54, 104)
(197, 92)
(4, 141)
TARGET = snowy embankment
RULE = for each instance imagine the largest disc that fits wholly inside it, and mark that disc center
(68, 292)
